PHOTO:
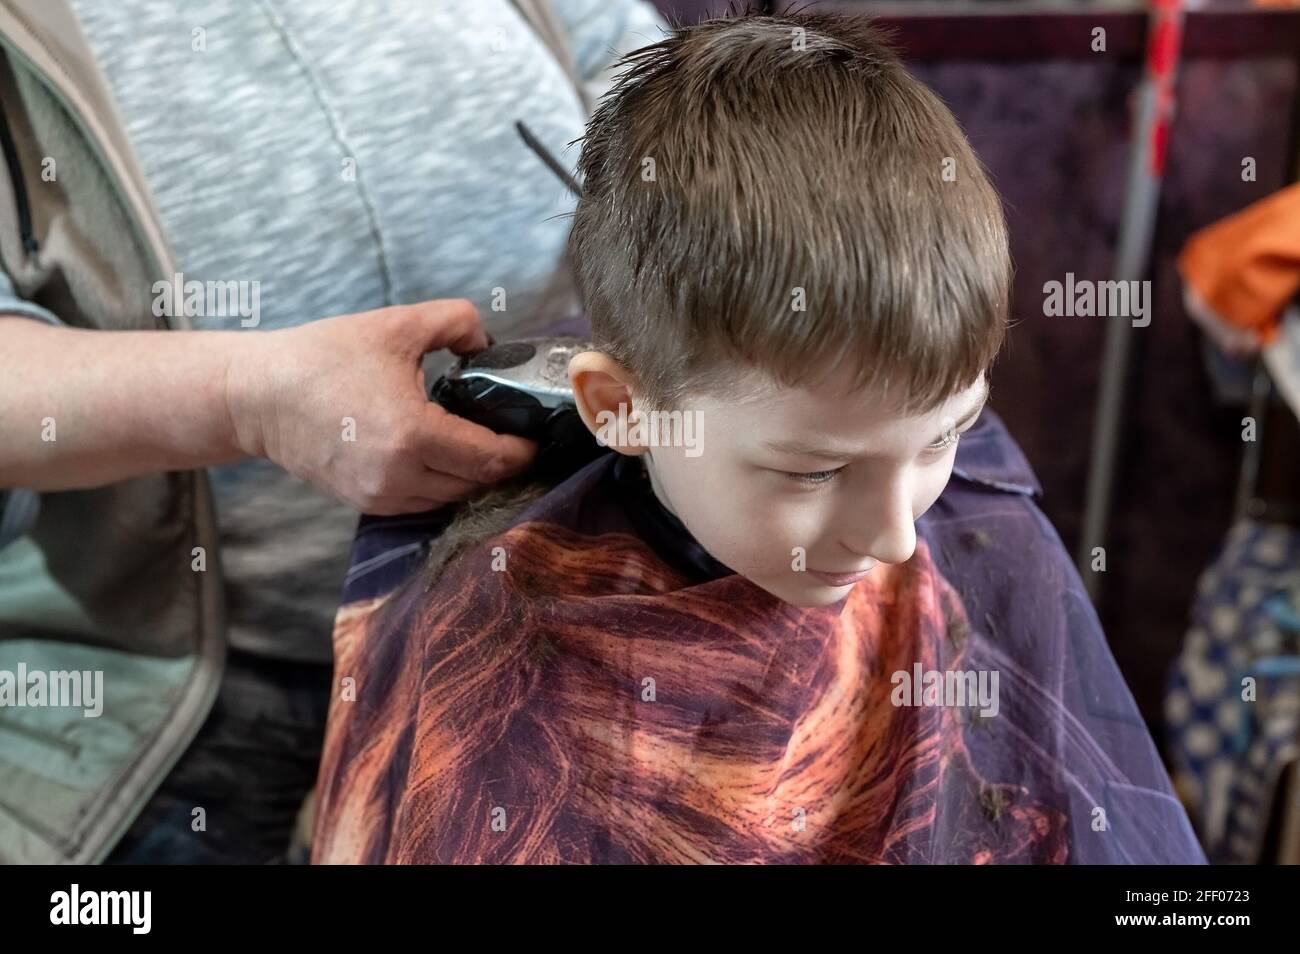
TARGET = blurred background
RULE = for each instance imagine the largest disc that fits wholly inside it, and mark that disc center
(1201, 584)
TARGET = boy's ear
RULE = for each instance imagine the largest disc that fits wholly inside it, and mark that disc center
(600, 387)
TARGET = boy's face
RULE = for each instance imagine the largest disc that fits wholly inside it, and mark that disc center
(804, 490)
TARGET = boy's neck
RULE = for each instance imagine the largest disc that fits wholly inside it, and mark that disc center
(648, 510)
(660, 494)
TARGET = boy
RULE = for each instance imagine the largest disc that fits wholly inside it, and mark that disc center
(752, 647)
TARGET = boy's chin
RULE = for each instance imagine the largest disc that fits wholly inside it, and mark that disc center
(804, 592)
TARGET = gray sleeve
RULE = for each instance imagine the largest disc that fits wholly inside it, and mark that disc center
(11, 304)
(18, 507)
(602, 31)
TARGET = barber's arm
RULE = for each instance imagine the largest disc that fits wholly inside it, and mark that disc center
(83, 408)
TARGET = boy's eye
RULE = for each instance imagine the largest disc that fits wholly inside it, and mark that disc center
(815, 477)
(941, 445)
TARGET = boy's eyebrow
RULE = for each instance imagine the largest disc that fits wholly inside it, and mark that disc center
(804, 449)
(800, 449)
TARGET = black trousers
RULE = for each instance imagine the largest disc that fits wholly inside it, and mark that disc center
(249, 768)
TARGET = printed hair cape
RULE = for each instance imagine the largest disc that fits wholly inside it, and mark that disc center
(585, 702)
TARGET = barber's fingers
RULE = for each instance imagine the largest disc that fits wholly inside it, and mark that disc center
(427, 484)
(453, 445)
(451, 323)
(415, 488)
(396, 506)
(422, 489)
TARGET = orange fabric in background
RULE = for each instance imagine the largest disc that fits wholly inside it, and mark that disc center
(1247, 267)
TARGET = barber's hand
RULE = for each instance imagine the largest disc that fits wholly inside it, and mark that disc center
(342, 403)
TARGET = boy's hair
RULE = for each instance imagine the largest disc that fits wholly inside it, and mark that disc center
(743, 162)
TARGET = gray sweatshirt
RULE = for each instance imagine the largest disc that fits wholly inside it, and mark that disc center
(344, 155)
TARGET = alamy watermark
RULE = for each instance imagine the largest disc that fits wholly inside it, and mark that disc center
(652, 429)
(53, 689)
(133, 909)
(1089, 299)
(212, 299)
(952, 687)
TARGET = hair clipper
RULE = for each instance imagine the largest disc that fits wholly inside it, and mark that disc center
(522, 387)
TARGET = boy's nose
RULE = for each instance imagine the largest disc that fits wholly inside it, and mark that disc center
(896, 546)
(884, 530)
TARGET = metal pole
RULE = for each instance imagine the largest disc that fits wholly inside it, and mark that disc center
(1137, 227)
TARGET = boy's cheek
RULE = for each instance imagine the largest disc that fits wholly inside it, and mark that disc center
(932, 492)
(731, 510)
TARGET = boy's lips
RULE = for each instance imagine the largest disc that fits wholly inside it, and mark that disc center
(842, 579)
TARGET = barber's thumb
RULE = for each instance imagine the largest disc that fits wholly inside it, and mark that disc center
(451, 323)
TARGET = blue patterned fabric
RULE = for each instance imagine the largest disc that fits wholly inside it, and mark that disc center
(1233, 705)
